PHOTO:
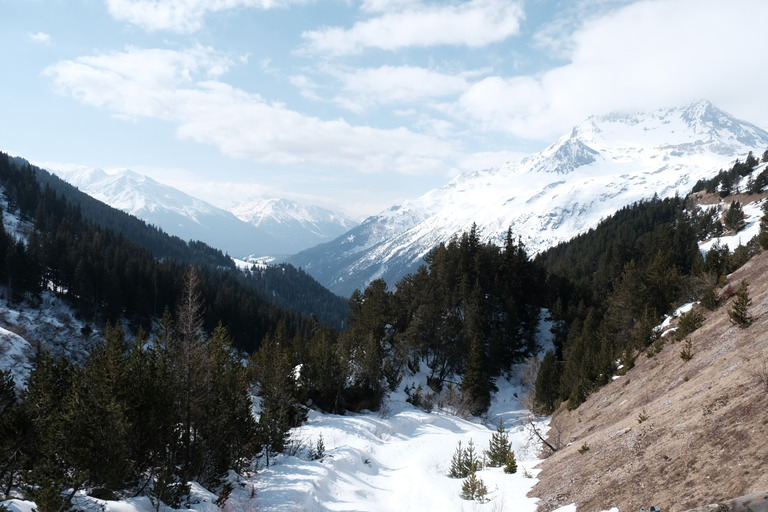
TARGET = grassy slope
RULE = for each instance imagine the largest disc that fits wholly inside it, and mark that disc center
(705, 436)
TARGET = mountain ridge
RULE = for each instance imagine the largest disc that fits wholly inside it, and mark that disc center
(191, 218)
(601, 165)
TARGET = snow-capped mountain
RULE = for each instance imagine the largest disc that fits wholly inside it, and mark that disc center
(189, 218)
(292, 222)
(602, 165)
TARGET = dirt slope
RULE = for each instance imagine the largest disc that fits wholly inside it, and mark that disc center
(705, 438)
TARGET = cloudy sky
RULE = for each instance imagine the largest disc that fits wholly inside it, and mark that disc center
(352, 104)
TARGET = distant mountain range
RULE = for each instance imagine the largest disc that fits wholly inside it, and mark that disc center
(602, 165)
(257, 227)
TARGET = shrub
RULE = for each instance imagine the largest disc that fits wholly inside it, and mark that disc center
(687, 353)
(688, 323)
(510, 465)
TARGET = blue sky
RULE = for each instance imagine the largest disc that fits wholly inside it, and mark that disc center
(352, 105)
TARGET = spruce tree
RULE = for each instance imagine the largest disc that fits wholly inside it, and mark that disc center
(739, 312)
(476, 384)
(548, 382)
(458, 470)
(473, 488)
(13, 428)
(734, 217)
(510, 465)
(499, 447)
(271, 368)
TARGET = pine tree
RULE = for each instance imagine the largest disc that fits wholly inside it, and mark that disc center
(734, 217)
(499, 447)
(739, 313)
(476, 384)
(464, 461)
(510, 465)
(548, 382)
(458, 470)
(474, 488)
(271, 368)
(13, 428)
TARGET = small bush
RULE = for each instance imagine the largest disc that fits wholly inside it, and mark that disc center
(655, 348)
(687, 353)
(709, 299)
(642, 417)
(584, 448)
(688, 323)
(318, 452)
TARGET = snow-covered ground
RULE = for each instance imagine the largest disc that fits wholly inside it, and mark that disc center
(399, 460)
(396, 460)
(752, 214)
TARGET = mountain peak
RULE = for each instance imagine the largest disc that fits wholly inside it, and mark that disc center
(600, 166)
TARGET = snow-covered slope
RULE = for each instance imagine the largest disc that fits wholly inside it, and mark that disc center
(190, 218)
(602, 165)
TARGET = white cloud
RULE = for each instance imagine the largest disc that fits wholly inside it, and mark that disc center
(649, 54)
(40, 37)
(398, 85)
(182, 16)
(399, 25)
(182, 87)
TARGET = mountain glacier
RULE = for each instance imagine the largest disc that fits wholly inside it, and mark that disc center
(260, 227)
(602, 165)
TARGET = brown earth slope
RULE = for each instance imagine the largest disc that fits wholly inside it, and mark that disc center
(672, 433)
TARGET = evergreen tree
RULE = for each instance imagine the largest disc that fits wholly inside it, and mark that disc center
(734, 217)
(739, 312)
(473, 488)
(96, 417)
(476, 384)
(227, 427)
(51, 471)
(548, 382)
(13, 428)
(510, 465)
(271, 368)
(762, 238)
(499, 447)
(464, 461)
(458, 469)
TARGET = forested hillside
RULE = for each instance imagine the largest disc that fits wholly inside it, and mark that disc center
(111, 265)
(617, 281)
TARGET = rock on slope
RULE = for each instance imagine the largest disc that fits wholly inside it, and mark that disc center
(599, 167)
(704, 439)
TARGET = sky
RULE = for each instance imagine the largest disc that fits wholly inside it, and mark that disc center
(354, 105)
